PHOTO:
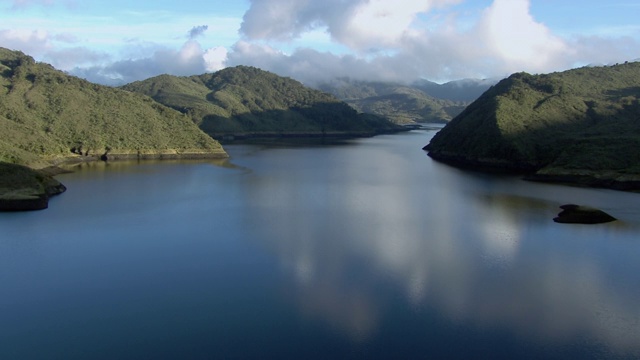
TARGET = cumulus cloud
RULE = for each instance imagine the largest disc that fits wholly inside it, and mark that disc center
(188, 60)
(215, 58)
(35, 43)
(314, 41)
(401, 40)
(514, 37)
(360, 24)
(197, 31)
(312, 66)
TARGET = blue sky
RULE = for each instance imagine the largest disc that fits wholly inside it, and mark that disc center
(115, 42)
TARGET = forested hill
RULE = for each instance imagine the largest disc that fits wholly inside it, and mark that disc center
(47, 116)
(400, 103)
(578, 126)
(247, 101)
(465, 90)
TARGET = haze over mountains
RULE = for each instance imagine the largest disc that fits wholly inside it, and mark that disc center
(420, 101)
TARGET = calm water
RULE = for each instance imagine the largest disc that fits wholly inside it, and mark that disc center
(365, 249)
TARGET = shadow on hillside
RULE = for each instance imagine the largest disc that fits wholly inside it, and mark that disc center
(604, 139)
(621, 93)
(321, 119)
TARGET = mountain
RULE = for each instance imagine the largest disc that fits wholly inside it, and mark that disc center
(422, 101)
(47, 116)
(245, 101)
(578, 126)
(464, 90)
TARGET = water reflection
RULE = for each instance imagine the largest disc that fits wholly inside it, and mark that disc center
(365, 248)
(481, 252)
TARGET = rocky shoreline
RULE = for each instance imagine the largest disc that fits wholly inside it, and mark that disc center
(25, 188)
(598, 179)
(478, 164)
(606, 181)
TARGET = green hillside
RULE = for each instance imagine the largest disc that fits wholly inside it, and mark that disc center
(246, 101)
(578, 126)
(23, 188)
(400, 103)
(47, 116)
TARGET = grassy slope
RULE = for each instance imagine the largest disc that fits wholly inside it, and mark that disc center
(44, 114)
(401, 104)
(246, 100)
(21, 182)
(578, 125)
(22, 188)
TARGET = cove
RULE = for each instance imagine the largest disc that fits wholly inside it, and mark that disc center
(361, 248)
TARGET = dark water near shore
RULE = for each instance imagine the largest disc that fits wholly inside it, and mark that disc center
(360, 249)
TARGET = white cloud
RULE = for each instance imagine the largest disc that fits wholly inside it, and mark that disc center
(360, 24)
(399, 40)
(34, 43)
(215, 58)
(188, 60)
(404, 40)
(513, 36)
(381, 23)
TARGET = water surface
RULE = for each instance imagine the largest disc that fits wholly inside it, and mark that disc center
(359, 249)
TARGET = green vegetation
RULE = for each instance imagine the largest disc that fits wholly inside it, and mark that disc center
(401, 104)
(246, 101)
(22, 188)
(579, 126)
(47, 116)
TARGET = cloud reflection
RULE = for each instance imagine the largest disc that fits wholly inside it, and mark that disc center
(360, 230)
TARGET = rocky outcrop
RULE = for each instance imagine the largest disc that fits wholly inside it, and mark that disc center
(23, 189)
(576, 214)
(165, 154)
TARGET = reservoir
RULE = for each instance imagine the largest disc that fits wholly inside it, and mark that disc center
(361, 248)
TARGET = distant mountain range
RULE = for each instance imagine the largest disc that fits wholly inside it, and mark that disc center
(421, 101)
(245, 101)
(578, 126)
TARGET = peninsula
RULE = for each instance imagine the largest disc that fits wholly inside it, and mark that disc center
(579, 126)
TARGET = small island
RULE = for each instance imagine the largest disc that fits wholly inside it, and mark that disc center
(577, 214)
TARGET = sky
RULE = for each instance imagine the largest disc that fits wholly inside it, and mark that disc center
(116, 42)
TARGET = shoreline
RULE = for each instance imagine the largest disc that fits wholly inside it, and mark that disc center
(29, 187)
(226, 137)
(604, 179)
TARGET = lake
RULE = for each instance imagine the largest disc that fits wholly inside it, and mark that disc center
(361, 248)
